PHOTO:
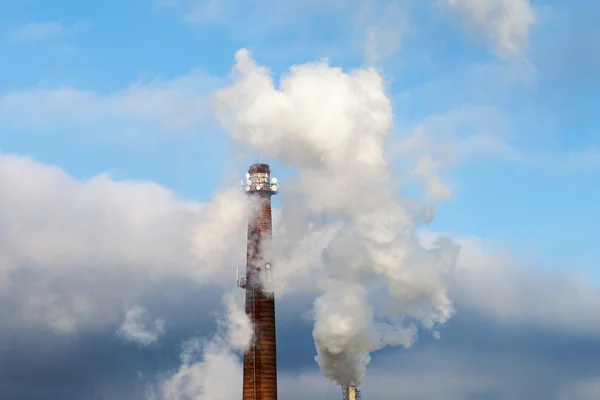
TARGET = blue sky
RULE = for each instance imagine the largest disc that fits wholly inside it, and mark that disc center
(124, 87)
(545, 98)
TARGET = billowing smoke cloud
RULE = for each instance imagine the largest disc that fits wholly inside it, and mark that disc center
(378, 283)
(345, 332)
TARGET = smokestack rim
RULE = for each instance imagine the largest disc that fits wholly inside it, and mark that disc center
(261, 168)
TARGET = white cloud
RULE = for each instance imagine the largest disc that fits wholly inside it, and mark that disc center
(482, 133)
(373, 29)
(458, 371)
(139, 328)
(76, 255)
(490, 281)
(378, 27)
(404, 378)
(204, 11)
(505, 22)
(384, 25)
(41, 30)
(177, 105)
(494, 285)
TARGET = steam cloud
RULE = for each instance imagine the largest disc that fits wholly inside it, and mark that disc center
(378, 283)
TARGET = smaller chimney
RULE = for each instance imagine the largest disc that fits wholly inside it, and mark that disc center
(351, 392)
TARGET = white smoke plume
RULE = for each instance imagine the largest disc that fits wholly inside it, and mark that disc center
(378, 283)
(219, 232)
(239, 327)
(344, 331)
(208, 371)
(212, 369)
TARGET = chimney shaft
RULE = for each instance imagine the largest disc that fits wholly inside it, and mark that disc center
(260, 362)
